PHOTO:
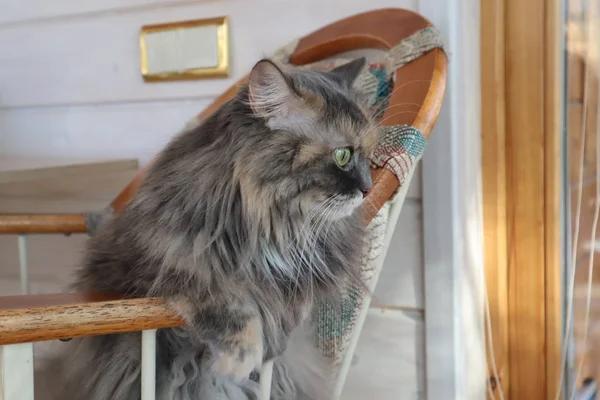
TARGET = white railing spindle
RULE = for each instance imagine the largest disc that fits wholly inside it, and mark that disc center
(266, 376)
(17, 371)
(149, 364)
(23, 265)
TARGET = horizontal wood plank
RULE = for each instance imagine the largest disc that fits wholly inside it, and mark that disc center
(19, 169)
(78, 193)
(141, 129)
(60, 316)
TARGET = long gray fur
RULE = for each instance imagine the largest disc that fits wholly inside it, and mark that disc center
(242, 224)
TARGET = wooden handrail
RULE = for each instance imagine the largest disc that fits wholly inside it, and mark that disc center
(61, 316)
(42, 223)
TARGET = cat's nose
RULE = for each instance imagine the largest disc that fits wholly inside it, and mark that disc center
(365, 192)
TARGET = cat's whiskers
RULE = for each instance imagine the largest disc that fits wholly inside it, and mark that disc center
(301, 239)
(337, 283)
(380, 112)
(308, 219)
(314, 234)
(321, 267)
(310, 240)
(326, 234)
(396, 114)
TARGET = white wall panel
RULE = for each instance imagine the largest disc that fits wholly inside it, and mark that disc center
(19, 11)
(401, 280)
(389, 362)
(110, 130)
(96, 59)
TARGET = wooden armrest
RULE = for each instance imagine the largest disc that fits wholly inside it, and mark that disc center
(61, 316)
(42, 223)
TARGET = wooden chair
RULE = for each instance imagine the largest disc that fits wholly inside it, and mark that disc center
(418, 90)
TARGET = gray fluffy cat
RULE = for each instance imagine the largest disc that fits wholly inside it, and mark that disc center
(242, 223)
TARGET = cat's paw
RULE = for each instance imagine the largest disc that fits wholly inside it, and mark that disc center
(240, 354)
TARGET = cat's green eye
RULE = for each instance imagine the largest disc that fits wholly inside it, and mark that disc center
(342, 156)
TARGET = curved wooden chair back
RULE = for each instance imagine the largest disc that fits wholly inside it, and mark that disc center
(421, 82)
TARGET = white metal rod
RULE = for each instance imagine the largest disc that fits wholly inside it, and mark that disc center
(149, 364)
(23, 266)
(266, 376)
(17, 371)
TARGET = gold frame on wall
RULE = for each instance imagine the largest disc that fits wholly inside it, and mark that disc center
(220, 71)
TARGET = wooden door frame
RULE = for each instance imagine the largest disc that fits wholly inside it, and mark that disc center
(522, 59)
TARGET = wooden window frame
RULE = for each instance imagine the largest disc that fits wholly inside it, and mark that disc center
(497, 176)
(522, 63)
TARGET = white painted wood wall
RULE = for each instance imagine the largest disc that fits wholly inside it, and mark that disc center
(70, 86)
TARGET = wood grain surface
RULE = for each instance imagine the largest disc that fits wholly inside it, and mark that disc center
(61, 316)
(42, 223)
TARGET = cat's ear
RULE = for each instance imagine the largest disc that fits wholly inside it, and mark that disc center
(348, 72)
(270, 91)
